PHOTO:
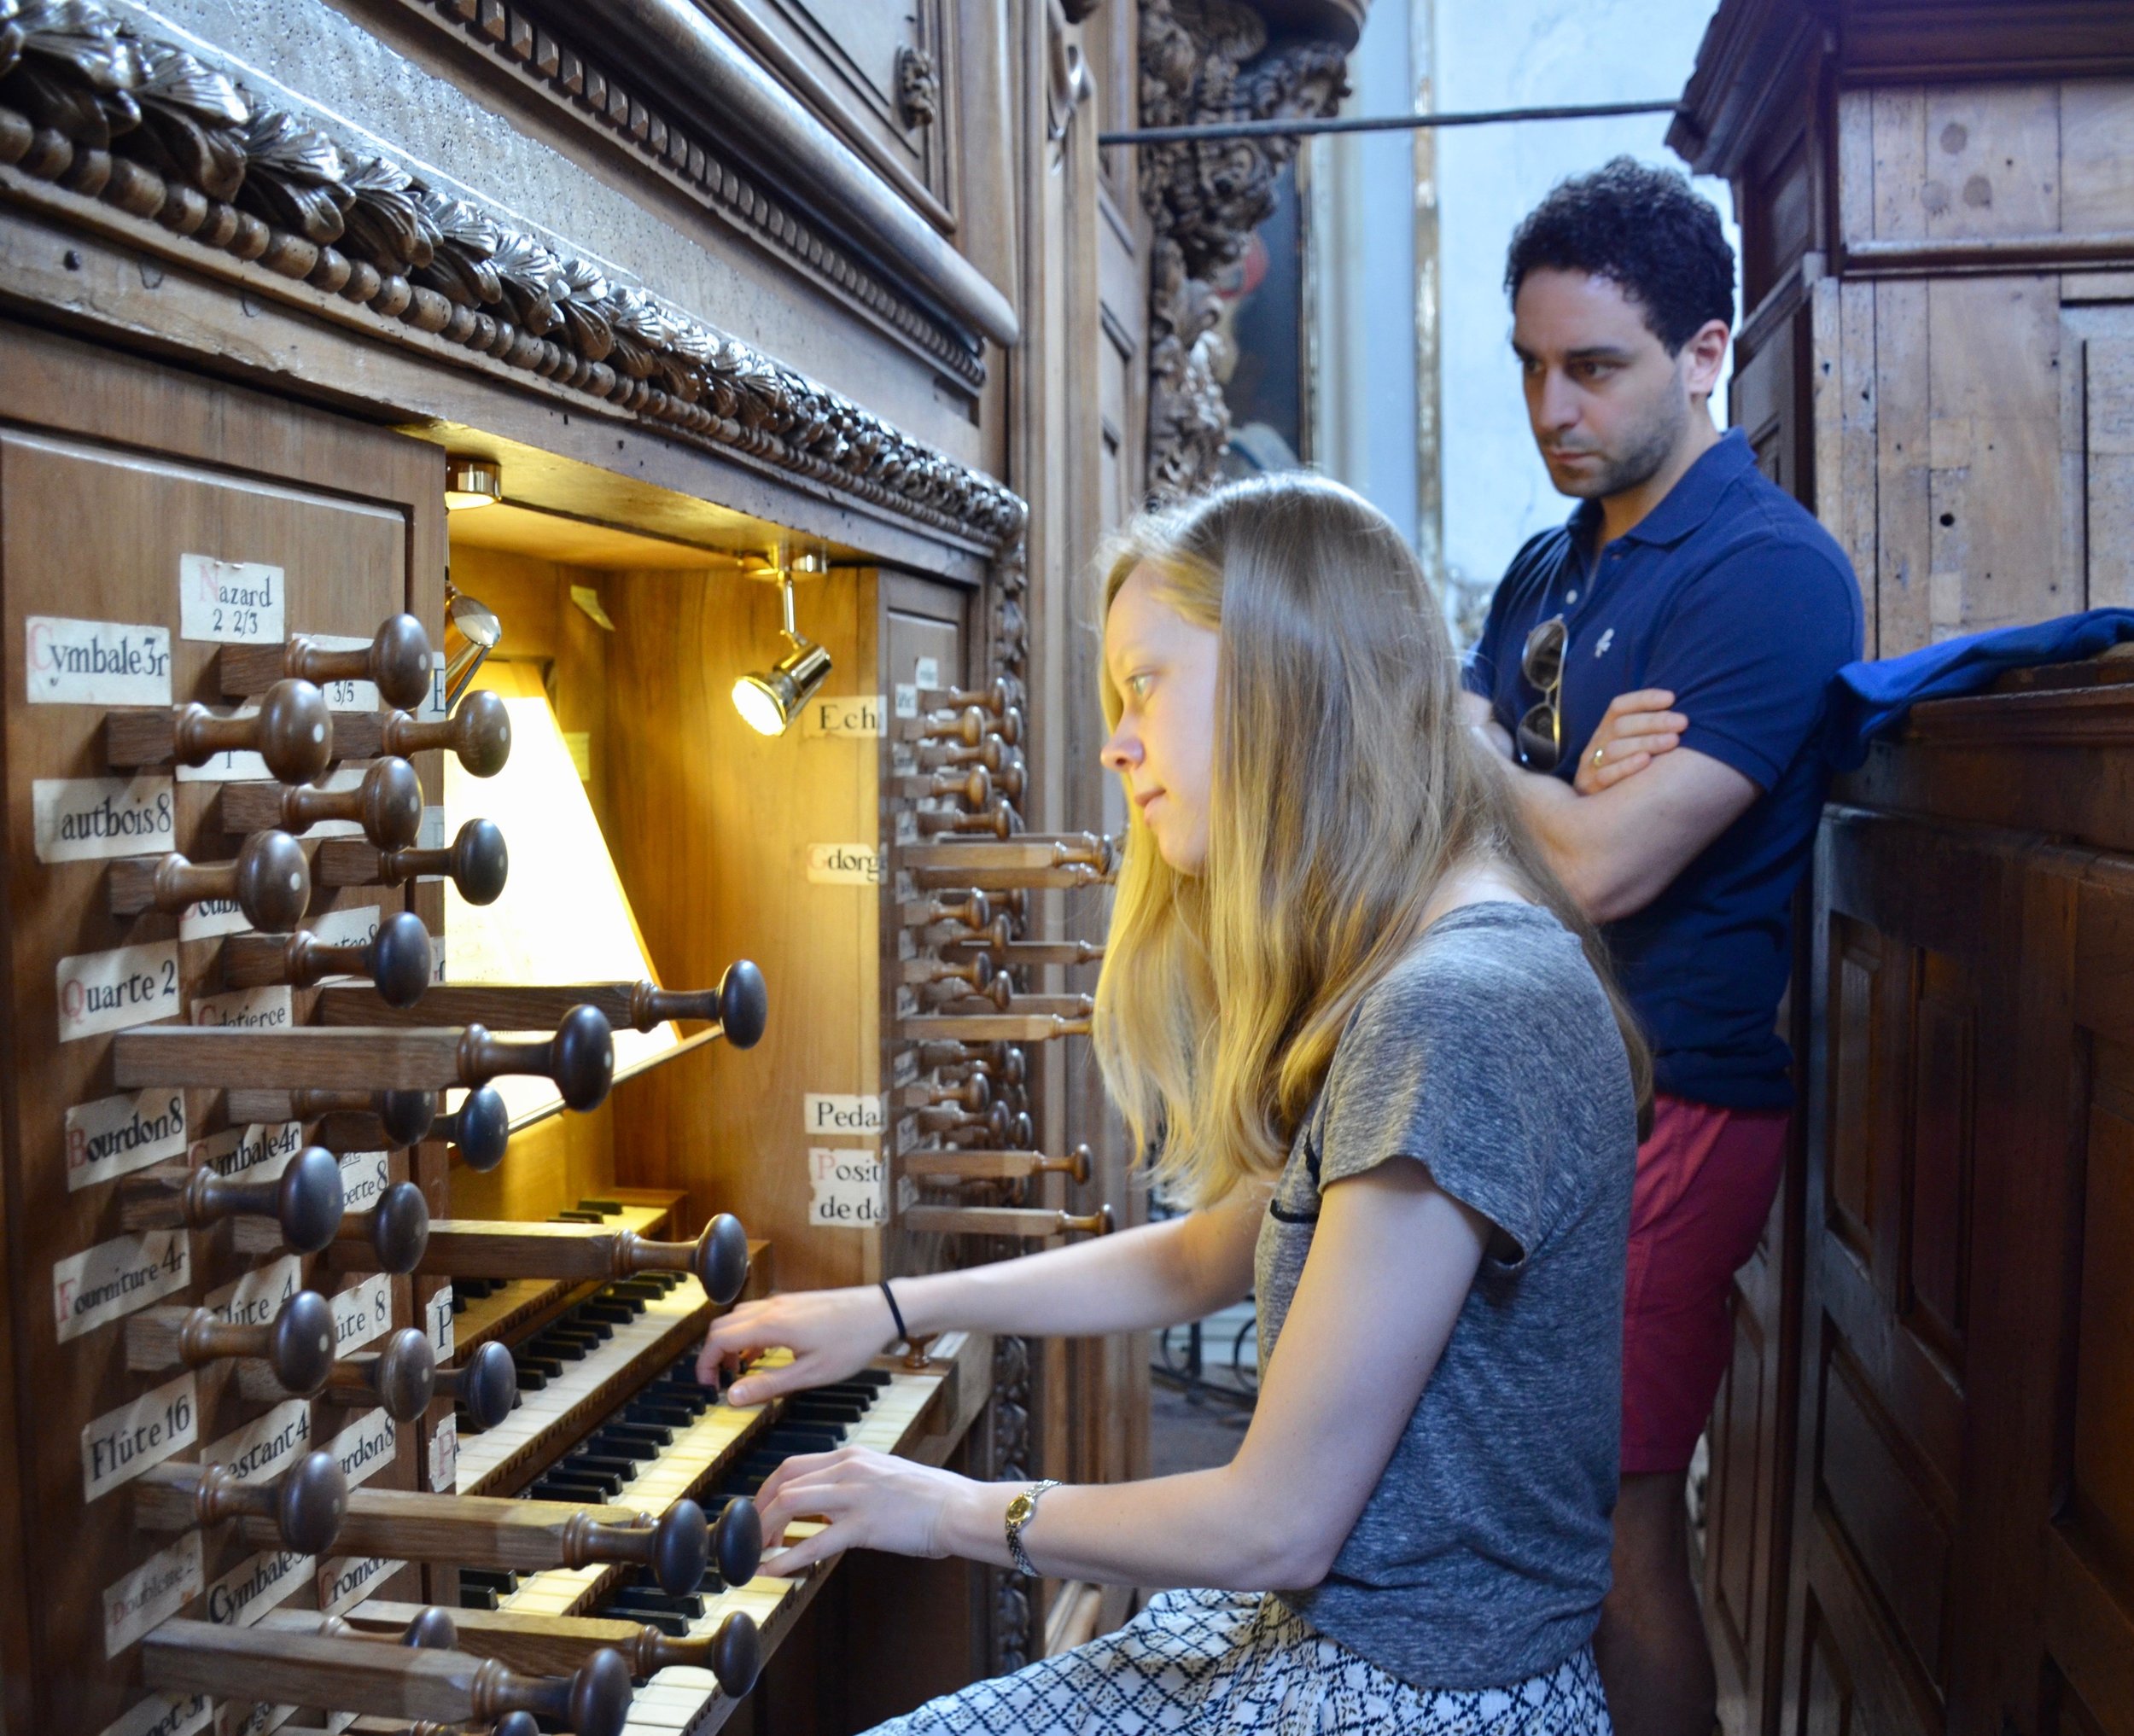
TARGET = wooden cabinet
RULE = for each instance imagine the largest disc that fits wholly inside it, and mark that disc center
(1916, 1503)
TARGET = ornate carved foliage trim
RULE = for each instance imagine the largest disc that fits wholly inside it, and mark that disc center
(561, 69)
(1205, 60)
(148, 128)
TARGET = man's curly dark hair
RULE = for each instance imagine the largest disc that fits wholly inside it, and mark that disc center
(1643, 230)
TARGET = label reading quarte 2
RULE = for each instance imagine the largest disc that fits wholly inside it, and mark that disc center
(229, 603)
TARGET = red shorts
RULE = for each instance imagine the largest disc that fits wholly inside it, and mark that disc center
(1705, 1181)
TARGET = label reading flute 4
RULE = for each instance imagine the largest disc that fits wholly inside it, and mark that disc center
(846, 1187)
(254, 1299)
(87, 819)
(114, 1136)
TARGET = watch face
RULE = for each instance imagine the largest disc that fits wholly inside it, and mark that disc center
(1019, 1508)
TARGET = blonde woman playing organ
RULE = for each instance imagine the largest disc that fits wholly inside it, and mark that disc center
(1392, 1077)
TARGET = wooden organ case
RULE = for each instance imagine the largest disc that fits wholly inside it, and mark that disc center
(429, 998)
(1921, 1514)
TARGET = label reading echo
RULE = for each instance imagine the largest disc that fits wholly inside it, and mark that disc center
(110, 1280)
(230, 603)
(114, 991)
(857, 715)
(86, 819)
(845, 1190)
(845, 864)
(115, 1136)
(120, 1445)
(95, 662)
(827, 1112)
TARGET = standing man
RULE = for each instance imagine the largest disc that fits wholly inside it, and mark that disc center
(1655, 672)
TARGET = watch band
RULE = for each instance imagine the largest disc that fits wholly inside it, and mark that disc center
(1021, 1511)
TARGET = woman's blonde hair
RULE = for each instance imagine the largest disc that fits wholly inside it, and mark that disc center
(1345, 789)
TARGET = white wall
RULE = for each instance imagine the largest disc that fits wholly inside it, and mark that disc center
(1527, 53)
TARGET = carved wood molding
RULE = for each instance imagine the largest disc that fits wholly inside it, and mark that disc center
(157, 136)
(1206, 61)
(587, 90)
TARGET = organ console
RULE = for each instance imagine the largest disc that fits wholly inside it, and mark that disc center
(397, 960)
(396, 661)
(303, 1202)
(270, 881)
(476, 862)
(291, 730)
(579, 1059)
(387, 802)
(478, 735)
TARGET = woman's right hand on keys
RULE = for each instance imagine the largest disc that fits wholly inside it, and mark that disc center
(832, 1334)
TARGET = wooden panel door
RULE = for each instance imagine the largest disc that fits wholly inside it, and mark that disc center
(1916, 990)
(1750, 1433)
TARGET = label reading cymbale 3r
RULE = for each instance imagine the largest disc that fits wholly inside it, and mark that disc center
(230, 603)
(116, 990)
(88, 820)
(95, 662)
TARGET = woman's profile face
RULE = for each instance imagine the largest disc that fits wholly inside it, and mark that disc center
(1163, 667)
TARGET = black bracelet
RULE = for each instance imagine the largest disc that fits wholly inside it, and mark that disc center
(896, 1313)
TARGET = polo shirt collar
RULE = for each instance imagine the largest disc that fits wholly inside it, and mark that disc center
(1688, 504)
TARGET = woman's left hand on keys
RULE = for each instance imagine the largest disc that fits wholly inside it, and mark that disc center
(871, 1500)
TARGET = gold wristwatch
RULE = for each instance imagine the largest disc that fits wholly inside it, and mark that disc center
(1021, 1511)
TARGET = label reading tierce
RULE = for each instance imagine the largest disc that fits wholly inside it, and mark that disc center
(248, 1010)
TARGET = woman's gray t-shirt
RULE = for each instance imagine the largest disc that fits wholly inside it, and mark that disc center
(1489, 1054)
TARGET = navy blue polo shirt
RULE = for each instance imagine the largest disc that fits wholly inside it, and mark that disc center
(1731, 595)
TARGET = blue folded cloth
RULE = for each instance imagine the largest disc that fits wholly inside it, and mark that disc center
(1870, 699)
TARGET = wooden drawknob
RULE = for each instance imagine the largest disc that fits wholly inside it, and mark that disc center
(270, 881)
(404, 1116)
(306, 1502)
(967, 727)
(740, 1004)
(677, 1548)
(480, 1128)
(1101, 1222)
(737, 1541)
(719, 1257)
(305, 1200)
(388, 804)
(400, 1377)
(476, 862)
(397, 660)
(292, 730)
(479, 733)
(297, 1343)
(485, 1385)
(393, 1233)
(735, 1653)
(580, 1058)
(397, 960)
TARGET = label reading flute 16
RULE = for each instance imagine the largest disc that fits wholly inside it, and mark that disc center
(120, 1445)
